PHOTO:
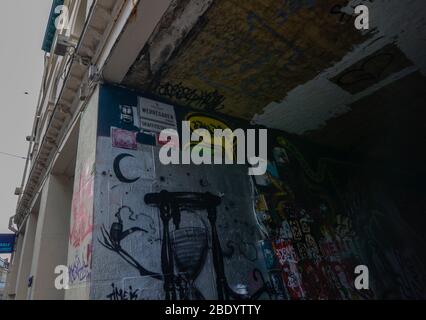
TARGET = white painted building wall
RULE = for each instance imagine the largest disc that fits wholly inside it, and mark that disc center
(51, 239)
(81, 224)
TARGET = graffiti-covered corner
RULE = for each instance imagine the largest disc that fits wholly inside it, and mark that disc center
(218, 150)
(180, 232)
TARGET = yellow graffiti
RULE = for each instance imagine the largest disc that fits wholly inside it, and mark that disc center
(209, 123)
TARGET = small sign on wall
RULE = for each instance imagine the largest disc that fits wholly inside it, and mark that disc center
(156, 116)
(7, 241)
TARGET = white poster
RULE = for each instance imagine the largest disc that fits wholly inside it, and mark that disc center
(156, 116)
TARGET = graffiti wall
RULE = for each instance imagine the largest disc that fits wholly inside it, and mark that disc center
(167, 232)
(321, 217)
(214, 232)
(81, 226)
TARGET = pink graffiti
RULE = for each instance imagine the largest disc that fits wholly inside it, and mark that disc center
(82, 202)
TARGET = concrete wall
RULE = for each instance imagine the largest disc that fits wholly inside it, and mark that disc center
(25, 260)
(51, 239)
(81, 225)
(122, 205)
(297, 232)
(130, 256)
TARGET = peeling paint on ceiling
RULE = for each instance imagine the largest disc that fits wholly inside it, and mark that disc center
(244, 55)
(400, 29)
(288, 65)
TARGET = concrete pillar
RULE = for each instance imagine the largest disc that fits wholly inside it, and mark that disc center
(26, 257)
(12, 275)
(51, 239)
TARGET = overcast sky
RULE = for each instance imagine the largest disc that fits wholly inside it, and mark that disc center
(22, 26)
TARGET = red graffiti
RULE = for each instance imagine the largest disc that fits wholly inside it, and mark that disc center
(285, 252)
(288, 259)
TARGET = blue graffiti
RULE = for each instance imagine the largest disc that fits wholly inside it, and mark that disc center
(78, 271)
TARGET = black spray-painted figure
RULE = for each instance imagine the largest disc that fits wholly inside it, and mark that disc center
(112, 241)
(183, 248)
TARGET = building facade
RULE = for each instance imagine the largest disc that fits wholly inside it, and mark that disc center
(4, 266)
(97, 198)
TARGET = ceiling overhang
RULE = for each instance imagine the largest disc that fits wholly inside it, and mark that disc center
(237, 58)
(297, 66)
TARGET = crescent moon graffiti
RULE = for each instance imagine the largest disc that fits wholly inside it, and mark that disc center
(117, 169)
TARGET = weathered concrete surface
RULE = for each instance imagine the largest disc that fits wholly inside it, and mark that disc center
(81, 224)
(296, 232)
(51, 238)
(26, 258)
(291, 65)
(242, 56)
(393, 52)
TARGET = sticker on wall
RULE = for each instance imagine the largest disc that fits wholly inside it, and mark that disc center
(293, 281)
(128, 117)
(285, 252)
(295, 229)
(269, 256)
(156, 116)
(285, 230)
(302, 251)
(277, 284)
(124, 139)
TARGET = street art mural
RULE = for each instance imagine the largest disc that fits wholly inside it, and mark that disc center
(185, 248)
(213, 232)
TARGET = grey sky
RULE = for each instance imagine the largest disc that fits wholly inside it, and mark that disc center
(22, 25)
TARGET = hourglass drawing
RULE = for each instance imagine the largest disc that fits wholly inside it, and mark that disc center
(190, 247)
(185, 248)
